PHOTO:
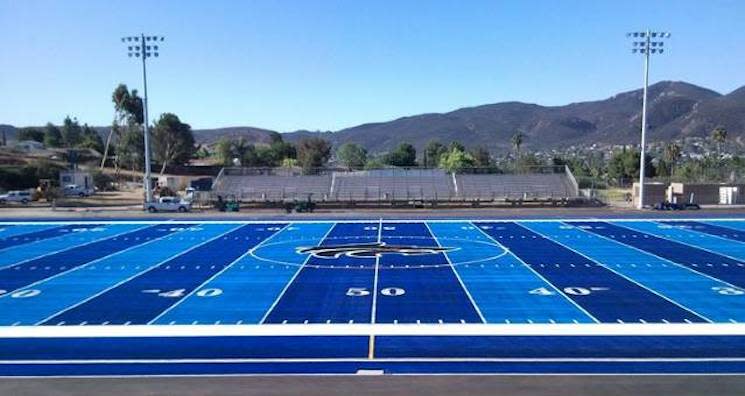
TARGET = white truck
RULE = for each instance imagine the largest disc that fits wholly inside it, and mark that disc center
(21, 196)
(74, 190)
(168, 204)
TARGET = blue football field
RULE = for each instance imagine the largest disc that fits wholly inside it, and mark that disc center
(622, 296)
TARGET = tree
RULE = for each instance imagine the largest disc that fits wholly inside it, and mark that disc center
(224, 151)
(128, 111)
(624, 165)
(313, 153)
(456, 159)
(130, 147)
(91, 139)
(719, 136)
(403, 155)
(671, 156)
(481, 157)
(432, 153)
(71, 132)
(52, 136)
(34, 134)
(352, 155)
(173, 141)
(517, 142)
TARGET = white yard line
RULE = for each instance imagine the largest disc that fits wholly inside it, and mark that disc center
(91, 297)
(287, 286)
(559, 291)
(457, 276)
(81, 266)
(676, 241)
(5, 266)
(622, 276)
(658, 257)
(211, 278)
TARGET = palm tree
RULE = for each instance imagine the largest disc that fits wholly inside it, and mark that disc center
(719, 135)
(517, 141)
(672, 155)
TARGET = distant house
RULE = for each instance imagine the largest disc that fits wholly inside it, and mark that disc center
(29, 146)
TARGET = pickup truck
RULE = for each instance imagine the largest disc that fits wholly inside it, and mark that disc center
(168, 204)
(76, 190)
(23, 197)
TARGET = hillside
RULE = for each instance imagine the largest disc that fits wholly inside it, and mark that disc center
(676, 110)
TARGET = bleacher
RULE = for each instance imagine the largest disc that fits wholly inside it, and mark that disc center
(491, 187)
(394, 186)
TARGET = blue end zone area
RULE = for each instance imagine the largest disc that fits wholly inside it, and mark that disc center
(431, 297)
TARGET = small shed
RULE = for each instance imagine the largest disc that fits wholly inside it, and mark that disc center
(78, 177)
(654, 193)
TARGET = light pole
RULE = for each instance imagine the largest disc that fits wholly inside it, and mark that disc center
(144, 47)
(649, 42)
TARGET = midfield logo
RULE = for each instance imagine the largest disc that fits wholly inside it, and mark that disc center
(375, 249)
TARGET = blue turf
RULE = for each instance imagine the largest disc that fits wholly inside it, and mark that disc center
(712, 229)
(501, 286)
(319, 292)
(75, 237)
(612, 298)
(178, 277)
(249, 288)
(25, 274)
(249, 273)
(692, 237)
(40, 235)
(714, 265)
(690, 289)
(64, 291)
(431, 293)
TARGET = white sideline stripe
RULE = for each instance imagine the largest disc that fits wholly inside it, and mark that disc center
(536, 273)
(299, 268)
(378, 360)
(457, 276)
(364, 220)
(607, 267)
(211, 278)
(366, 329)
(123, 281)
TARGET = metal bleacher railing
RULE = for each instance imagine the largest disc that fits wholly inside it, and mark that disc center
(394, 184)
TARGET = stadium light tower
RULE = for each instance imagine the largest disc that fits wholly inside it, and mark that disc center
(144, 47)
(646, 43)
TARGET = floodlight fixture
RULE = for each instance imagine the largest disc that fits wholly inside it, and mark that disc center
(646, 47)
(144, 51)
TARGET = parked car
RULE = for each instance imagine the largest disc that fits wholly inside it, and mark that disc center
(23, 197)
(72, 190)
(168, 204)
(676, 206)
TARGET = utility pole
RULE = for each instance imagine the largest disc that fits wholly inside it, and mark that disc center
(144, 47)
(650, 43)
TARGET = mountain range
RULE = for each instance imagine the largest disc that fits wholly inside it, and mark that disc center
(676, 110)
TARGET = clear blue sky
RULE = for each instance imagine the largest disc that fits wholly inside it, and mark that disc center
(327, 65)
